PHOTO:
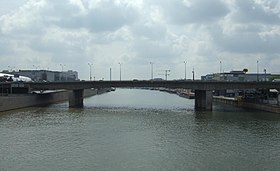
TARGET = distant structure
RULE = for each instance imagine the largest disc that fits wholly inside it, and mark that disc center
(251, 95)
(239, 76)
(47, 75)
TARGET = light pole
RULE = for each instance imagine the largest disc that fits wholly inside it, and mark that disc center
(110, 74)
(185, 62)
(11, 68)
(257, 70)
(62, 65)
(220, 70)
(90, 65)
(166, 73)
(264, 74)
(120, 71)
(193, 74)
(152, 70)
(36, 67)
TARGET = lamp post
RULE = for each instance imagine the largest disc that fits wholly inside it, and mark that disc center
(90, 65)
(62, 66)
(167, 73)
(257, 70)
(185, 62)
(152, 70)
(120, 71)
(110, 74)
(220, 70)
(264, 74)
(36, 67)
(11, 68)
(193, 74)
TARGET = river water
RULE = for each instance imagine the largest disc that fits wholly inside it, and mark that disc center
(138, 130)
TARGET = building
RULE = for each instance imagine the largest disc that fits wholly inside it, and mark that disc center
(239, 76)
(47, 75)
(261, 96)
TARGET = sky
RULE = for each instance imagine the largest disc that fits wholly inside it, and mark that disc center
(209, 35)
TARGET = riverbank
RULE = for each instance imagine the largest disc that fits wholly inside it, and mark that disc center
(17, 101)
(248, 105)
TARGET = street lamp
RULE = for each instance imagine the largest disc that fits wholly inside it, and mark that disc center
(36, 75)
(152, 70)
(12, 68)
(36, 66)
(90, 65)
(193, 74)
(220, 70)
(264, 74)
(110, 74)
(257, 70)
(62, 65)
(167, 73)
(185, 62)
(120, 71)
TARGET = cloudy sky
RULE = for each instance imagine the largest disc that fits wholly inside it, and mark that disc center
(49, 34)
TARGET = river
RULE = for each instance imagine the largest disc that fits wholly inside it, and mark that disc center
(131, 129)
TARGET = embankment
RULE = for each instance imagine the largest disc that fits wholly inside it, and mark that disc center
(243, 104)
(16, 101)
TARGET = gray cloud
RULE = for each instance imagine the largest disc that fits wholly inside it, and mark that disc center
(138, 32)
(250, 28)
(193, 11)
(252, 12)
(153, 51)
(107, 16)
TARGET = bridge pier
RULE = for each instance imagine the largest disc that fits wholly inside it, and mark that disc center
(203, 100)
(76, 98)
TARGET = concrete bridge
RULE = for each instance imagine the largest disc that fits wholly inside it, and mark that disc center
(203, 89)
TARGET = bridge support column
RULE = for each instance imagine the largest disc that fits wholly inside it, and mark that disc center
(203, 100)
(76, 98)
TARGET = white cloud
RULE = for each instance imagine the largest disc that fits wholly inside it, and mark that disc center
(105, 32)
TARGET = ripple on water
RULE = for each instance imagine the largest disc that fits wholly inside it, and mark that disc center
(109, 136)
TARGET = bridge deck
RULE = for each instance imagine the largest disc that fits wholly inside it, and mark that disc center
(195, 85)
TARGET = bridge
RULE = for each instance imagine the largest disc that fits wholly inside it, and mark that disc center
(203, 89)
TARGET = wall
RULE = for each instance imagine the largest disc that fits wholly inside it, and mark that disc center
(16, 101)
(240, 103)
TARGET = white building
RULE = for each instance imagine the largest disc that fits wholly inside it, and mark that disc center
(46, 75)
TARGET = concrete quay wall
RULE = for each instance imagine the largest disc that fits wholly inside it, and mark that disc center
(243, 104)
(263, 107)
(16, 101)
